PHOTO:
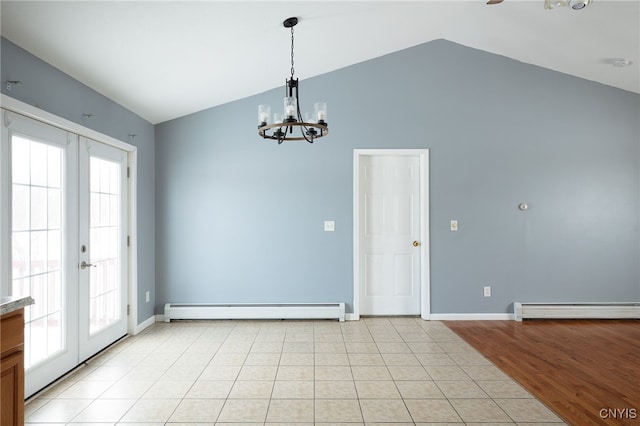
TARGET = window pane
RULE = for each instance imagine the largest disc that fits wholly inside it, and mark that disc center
(22, 288)
(54, 333)
(20, 169)
(38, 166)
(54, 209)
(114, 212)
(38, 207)
(54, 167)
(94, 214)
(38, 252)
(104, 209)
(105, 172)
(94, 175)
(39, 294)
(54, 287)
(54, 258)
(21, 207)
(21, 255)
(38, 341)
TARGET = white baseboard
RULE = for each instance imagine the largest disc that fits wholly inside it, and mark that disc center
(563, 310)
(349, 316)
(203, 311)
(144, 324)
(472, 317)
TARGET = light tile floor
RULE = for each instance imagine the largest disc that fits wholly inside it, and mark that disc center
(372, 371)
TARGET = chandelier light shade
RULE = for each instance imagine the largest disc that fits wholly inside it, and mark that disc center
(290, 125)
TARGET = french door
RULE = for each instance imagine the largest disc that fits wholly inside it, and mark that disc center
(102, 239)
(66, 230)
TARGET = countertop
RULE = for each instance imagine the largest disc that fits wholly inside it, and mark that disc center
(9, 304)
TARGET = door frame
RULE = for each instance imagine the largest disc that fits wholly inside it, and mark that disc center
(14, 105)
(425, 270)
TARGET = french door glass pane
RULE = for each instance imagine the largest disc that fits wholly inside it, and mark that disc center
(104, 236)
(36, 243)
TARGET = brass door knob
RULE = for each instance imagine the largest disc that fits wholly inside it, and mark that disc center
(416, 243)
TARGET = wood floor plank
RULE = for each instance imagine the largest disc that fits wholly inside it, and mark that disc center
(587, 371)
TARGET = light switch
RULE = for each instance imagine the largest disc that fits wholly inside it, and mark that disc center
(329, 225)
(454, 225)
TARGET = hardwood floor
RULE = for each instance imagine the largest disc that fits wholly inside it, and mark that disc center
(587, 371)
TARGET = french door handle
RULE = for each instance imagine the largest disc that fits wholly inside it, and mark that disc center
(85, 265)
(416, 243)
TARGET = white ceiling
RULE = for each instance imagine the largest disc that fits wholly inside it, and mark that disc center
(166, 59)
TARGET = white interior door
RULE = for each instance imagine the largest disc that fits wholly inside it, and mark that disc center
(102, 241)
(53, 219)
(390, 258)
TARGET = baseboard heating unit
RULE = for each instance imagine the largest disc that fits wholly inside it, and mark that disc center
(195, 311)
(576, 310)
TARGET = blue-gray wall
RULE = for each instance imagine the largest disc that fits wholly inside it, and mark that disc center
(240, 219)
(57, 93)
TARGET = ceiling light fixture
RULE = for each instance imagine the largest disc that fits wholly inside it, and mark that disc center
(554, 4)
(620, 62)
(574, 4)
(579, 4)
(313, 126)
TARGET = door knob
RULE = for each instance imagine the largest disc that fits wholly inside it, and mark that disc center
(85, 265)
(416, 243)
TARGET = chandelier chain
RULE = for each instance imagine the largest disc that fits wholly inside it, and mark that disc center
(292, 69)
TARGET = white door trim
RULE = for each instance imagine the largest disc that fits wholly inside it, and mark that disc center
(425, 284)
(35, 113)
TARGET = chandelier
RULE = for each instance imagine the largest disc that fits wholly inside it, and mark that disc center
(290, 124)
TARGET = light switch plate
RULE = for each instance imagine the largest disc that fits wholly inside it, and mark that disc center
(454, 225)
(329, 225)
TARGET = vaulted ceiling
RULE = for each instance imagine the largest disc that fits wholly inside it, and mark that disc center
(166, 59)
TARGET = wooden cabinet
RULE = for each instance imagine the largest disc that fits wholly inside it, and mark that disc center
(12, 368)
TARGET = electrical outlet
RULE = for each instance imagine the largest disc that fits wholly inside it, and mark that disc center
(487, 291)
(329, 225)
(148, 296)
(454, 225)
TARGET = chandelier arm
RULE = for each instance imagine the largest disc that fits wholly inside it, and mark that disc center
(304, 129)
(304, 132)
(281, 135)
